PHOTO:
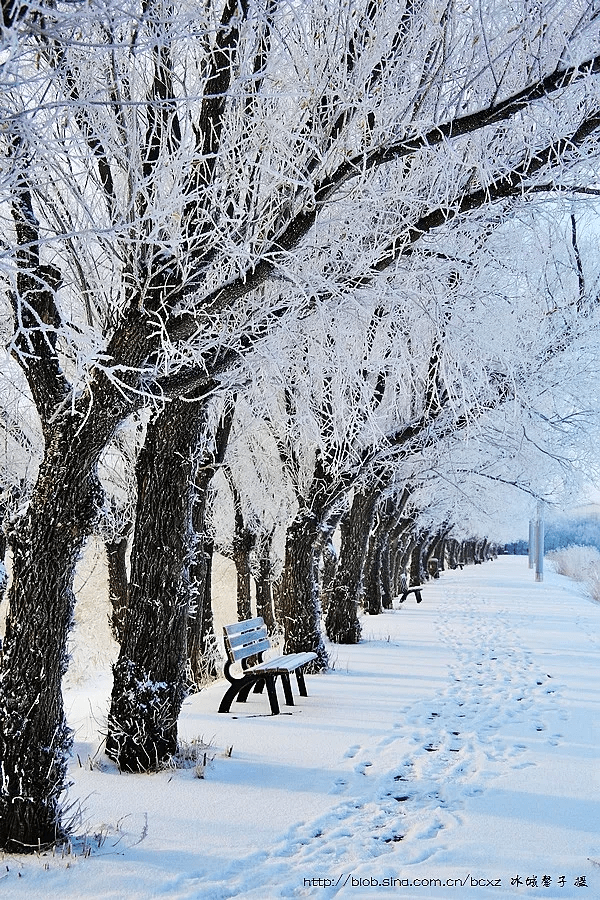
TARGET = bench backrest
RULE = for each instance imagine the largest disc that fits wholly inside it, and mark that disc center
(244, 639)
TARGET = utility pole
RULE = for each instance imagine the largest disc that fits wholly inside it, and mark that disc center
(539, 542)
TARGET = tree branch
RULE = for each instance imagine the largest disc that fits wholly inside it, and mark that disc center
(300, 224)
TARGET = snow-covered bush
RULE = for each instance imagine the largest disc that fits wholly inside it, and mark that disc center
(580, 564)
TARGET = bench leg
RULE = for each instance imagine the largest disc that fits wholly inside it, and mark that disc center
(243, 694)
(230, 695)
(259, 686)
(301, 683)
(418, 596)
(403, 597)
(271, 691)
(287, 689)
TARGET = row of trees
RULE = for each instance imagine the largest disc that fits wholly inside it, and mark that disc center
(270, 248)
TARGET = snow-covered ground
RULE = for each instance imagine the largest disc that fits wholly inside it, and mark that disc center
(453, 753)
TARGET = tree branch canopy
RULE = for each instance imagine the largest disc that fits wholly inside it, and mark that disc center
(301, 223)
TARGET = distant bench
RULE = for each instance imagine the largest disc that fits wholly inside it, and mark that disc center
(405, 590)
(249, 638)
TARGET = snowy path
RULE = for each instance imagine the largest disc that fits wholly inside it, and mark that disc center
(458, 741)
(412, 785)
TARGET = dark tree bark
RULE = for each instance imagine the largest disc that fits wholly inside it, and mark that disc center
(415, 575)
(374, 564)
(46, 541)
(342, 622)
(481, 550)
(451, 553)
(440, 551)
(396, 557)
(241, 557)
(203, 653)
(34, 737)
(150, 674)
(428, 566)
(329, 564)
(118, 582)
(386, 569)
(244, 540)
(385, 557)
(263, 580)
(299, 609)
(3, 575)
(380, 561)
(468, 552)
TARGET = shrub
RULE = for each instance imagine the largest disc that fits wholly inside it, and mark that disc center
(581, 564)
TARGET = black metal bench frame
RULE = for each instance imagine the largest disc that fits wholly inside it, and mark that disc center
(249, 638)
(416, 590)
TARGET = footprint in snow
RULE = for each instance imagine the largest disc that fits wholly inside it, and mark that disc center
(339, 786)
(428, 831)
(352, 751)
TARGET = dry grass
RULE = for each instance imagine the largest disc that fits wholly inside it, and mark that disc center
(581, 564)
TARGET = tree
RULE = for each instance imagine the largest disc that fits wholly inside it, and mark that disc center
(141, 248)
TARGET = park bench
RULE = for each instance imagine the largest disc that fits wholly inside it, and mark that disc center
(249, 638)
(405, 590)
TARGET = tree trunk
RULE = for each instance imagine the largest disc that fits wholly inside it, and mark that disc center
(429, 559)
(299, 608)
(440, 552)
(3, 575)
(203, 656)
(386, 566)
(204, 659)
(241, 559)
(372, 594)
(242, 545)
(150, 674)
(378, 561)
(243, 542)
(46, 542)
(415, 569)
(342, 623)
(468, 552)
(329, 564)
(263, 581)
(118, 582)
(452, 548)
(397, 557)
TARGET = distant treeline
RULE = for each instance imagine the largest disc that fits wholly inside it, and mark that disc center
(563, 533)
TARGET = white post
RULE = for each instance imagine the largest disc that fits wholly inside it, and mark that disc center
(532, 553)
(539, 543)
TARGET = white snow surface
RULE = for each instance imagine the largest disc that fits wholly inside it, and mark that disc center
(452, 751)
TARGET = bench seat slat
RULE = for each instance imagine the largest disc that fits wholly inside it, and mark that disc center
(239, 653)
(248, 625)
(240, 640)
(284, 663)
